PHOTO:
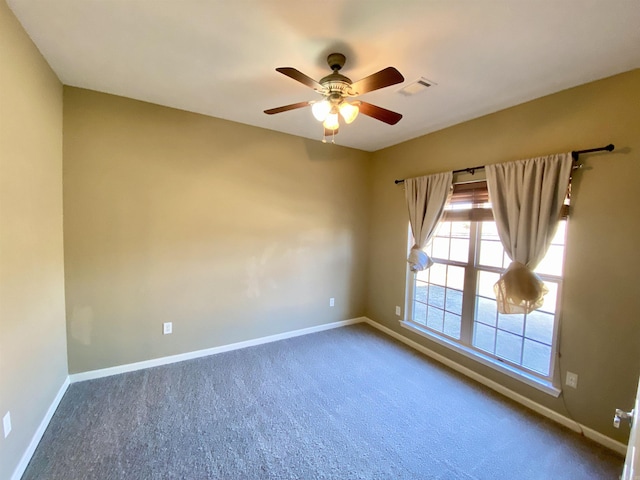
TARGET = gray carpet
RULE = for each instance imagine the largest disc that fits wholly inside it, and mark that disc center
(348, 403)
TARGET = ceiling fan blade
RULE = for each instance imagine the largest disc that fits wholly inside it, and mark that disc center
(379, 113)
(300, 77)
(384, 78)
(286, 108)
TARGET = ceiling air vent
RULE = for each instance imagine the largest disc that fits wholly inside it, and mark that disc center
(416, 87)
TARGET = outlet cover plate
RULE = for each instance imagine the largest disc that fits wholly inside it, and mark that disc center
(167, 328)
(398, 311)
(572, 380)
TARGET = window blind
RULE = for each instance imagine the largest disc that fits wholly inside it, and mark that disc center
(470, 202)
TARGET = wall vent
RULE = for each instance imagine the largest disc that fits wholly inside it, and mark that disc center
(417, 86)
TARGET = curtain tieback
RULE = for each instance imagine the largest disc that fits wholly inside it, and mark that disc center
(519, 290)
(418, 259)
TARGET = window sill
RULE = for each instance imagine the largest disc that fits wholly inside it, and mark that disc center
(530, 380)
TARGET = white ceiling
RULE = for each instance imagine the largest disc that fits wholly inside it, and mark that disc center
(217, 57)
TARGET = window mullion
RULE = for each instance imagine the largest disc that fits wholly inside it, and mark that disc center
(469, 294)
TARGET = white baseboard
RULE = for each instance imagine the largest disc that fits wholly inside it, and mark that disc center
(37, 436)
(130, 367)
(597, 437)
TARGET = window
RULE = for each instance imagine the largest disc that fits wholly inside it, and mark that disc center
(453, 301)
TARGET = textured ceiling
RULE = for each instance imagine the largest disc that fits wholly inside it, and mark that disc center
(217, 57)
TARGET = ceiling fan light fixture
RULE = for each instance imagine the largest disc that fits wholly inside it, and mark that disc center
(331, 122)
(321, 109)
(348, 111)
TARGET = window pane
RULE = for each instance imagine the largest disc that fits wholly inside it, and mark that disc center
(513, 323)
(551, 264)
(454, 301)
(436, 296)
(486, 311)
(438, 274)
(484, 338)
(508, 346)
(460, 229)
(435, 318)
(491, 253)
(452, 325)
(423, 275)
(486, 281)
(441, 248)
(536, 356)
(460, 250)
(443, 229)
(455, 277)
(490, 231)
(420, 291)
(420, 313)
(550, 298)
(540, 327)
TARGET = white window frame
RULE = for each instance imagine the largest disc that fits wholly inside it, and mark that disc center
(548, 384)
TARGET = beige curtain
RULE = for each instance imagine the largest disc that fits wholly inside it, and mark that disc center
(526, 199)
(426, 197)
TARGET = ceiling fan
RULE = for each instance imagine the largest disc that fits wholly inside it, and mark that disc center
(335, 88)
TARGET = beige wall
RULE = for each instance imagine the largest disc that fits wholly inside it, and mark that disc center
(601, 301)
(230, 232)
(33, 357)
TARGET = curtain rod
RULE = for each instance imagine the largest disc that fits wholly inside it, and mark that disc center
(575, 154)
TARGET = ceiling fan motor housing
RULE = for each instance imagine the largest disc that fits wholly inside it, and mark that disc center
(336, 61)
(336, 83)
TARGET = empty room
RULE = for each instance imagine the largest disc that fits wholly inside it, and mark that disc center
(344, 239)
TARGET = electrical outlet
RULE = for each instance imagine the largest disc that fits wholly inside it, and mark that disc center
(6, 424)
(572, 380)
(398, 311)
(332, 302)
(167, 328)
